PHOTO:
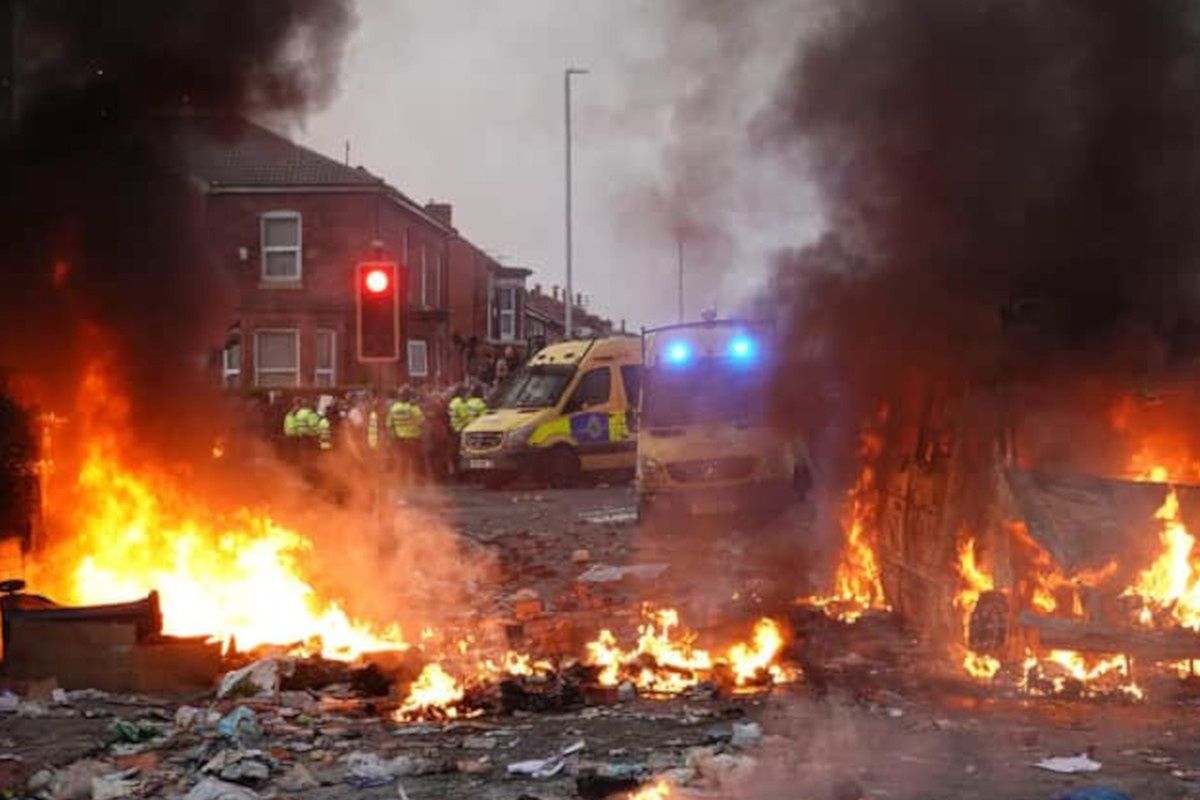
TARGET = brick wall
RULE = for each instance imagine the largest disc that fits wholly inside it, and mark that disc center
(338, 229)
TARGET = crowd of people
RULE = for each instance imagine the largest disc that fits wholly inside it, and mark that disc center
(413, 433)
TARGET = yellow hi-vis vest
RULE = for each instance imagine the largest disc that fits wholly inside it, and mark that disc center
(292, 423)
(405, 420)
(373, 429)
(476, 408)
(459, 413)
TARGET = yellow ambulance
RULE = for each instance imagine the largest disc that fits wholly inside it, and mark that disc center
(566, 413)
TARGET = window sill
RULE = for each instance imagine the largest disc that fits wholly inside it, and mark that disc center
(276, 283)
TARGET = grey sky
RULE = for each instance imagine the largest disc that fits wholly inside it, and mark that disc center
(461, 101)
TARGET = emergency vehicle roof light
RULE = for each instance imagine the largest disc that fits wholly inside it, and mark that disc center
(678, 353)
(742, 348)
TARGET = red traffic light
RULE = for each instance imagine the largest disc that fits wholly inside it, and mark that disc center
(377, 281)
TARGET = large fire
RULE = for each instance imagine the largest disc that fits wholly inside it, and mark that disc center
(234, 576)
(1170, 587)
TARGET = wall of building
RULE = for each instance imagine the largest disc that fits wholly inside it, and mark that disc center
(338, 229)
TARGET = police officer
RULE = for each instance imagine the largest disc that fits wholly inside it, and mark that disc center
(460, 415)
(406, 421)
(476, 405)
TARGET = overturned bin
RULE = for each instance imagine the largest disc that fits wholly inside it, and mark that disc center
(118, 647)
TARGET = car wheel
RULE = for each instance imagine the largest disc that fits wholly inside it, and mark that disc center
(561, 467)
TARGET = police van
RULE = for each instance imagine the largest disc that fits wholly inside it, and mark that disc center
(565, 414)
(706, 445)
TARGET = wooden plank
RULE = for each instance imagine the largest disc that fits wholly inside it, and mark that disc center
(1055, 633)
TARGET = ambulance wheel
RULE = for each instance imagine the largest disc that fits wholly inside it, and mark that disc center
(561, 467)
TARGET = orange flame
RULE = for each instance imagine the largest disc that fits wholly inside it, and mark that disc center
(659, 791)
(434, 691)
(230, 575)
(1170, 586)
(973, 582)
(858, 582)
(666, 660)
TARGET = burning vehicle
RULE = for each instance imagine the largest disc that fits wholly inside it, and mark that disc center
(1069, 536)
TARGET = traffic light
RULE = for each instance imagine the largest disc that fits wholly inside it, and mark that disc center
(379, 286)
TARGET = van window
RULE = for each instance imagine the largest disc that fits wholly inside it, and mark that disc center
(631, 376)
(594, 389)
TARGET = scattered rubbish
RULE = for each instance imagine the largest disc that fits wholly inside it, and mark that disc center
(239, 725)
(137, 731)
(609, 516)
(115, 786)
(746, 734)
(296, 779)
(600, 573)
(259, 678)
(367, 770)
(185, 717)
(1069, 765)
(545, 767)
(213, 789)
(240, 766)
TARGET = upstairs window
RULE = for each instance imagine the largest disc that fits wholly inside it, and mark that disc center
(508, 313)
(280, 235)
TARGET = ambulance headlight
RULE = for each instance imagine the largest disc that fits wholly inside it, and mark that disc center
(519, 437)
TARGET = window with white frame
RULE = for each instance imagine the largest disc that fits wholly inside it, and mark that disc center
(277, 357)
(325, 361)
(418, 358)
(231, 363)
(281, 246)
(507, 302)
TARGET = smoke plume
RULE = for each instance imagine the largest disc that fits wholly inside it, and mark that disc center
(1008, 188)
(100, 225)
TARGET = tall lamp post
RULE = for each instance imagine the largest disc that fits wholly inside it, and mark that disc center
(567, 73)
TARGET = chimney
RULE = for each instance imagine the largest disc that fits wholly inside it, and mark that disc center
(442, 212)
(622, 326)
(579, 299)
(537, 289)
(554, 291)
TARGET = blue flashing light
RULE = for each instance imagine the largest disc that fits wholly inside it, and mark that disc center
(678, 353)
(742, 348)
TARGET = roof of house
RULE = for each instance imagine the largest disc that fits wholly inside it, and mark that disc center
(546, 307)
(239, 154)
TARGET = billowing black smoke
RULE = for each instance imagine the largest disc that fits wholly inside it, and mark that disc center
(98, 223)
(1007, 185)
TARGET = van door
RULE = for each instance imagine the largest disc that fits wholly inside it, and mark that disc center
(589, 411)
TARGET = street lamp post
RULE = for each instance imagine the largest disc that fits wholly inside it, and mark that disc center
(570, 299)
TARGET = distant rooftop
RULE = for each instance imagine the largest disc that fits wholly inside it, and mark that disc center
(237, 153)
